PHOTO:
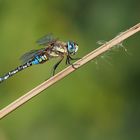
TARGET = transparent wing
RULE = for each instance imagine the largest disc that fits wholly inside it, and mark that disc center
(30, 55)
(47, 39)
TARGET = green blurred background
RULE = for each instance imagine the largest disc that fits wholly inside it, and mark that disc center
(99, 101)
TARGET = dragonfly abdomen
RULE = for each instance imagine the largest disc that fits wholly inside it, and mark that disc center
(39, 59)
(13, 72)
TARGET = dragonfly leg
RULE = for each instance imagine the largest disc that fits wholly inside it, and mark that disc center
(68, 61)
(56, 65)
(74, 58)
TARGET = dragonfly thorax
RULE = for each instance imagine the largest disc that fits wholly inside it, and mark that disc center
(72, 47)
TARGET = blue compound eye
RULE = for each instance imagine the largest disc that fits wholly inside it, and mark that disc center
(71, 47)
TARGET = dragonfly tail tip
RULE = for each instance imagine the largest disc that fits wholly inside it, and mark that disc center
(1, 80)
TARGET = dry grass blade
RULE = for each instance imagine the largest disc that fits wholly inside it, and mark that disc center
(107, 46)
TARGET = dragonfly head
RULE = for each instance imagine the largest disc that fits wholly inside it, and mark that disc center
(72, 47)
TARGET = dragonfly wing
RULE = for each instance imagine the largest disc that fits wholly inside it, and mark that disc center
(30, 55)
(47, 39)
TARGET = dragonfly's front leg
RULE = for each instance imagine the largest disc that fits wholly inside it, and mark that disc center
(56, 65)
(73, 58)
(68, 61)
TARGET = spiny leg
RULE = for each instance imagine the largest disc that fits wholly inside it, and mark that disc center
(69, 58)
(56, 65)
(68, 61)
(73, 58)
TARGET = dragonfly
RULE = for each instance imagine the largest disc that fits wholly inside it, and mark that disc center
(52, 48)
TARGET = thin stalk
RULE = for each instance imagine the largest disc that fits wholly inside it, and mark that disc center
(92, 55)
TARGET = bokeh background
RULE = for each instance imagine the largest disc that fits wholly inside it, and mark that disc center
(99, 101)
